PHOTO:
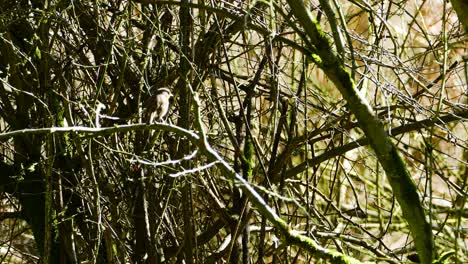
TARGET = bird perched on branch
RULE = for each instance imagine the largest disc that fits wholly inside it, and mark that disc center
(157, 104)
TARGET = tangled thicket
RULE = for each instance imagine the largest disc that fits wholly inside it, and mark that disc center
(247, 74)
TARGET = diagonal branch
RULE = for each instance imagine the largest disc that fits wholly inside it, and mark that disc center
(201, 142)
(397, 174)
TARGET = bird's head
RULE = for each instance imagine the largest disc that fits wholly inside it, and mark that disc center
(164, 90)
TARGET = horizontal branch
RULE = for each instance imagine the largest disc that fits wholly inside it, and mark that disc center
(334, 152)
(101, 131)
(203, 145)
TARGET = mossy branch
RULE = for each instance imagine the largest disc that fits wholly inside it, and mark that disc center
(397, 174)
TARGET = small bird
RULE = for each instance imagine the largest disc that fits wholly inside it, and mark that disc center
(157, 104)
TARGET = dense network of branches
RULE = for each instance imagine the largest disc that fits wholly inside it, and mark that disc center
(85, 177)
